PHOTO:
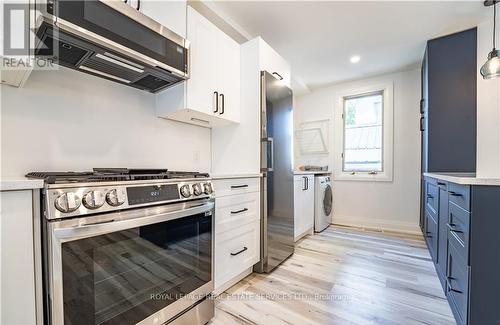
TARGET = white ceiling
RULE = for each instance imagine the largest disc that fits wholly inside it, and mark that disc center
(318, 38)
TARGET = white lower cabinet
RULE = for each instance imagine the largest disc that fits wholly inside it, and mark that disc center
(237, 230)
(303, 205)
(20, 259)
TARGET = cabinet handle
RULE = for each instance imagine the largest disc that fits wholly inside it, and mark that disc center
(450, 288)
(452, 227)
(239, 186)
(278, 75)
(430, 196)
(223, 101)
(239, 211)
(422, 129)
(422, 106)
(305, 183)
(455, 194)
(240, 251)
(441, 184)
(216, 106)
(138, 5)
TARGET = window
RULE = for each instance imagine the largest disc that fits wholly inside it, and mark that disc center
(363, 132)
(363, 128)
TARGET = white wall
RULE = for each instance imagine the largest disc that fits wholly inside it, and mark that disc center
(488, 109)
(388, 205)
(67, 120)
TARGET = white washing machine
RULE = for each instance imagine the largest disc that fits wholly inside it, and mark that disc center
(323, 202)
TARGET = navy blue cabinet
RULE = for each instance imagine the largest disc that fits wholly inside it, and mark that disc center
(467, 250)
(448, 105)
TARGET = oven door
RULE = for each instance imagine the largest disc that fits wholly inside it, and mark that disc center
(142, 265)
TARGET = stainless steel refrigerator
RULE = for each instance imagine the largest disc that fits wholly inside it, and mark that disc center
(277, 222)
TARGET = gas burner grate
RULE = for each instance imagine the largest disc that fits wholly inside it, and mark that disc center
(113, 175)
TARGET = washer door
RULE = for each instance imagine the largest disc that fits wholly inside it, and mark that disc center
(327, 200)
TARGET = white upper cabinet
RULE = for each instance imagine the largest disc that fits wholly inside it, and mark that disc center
(273, 63)
(211, 96)
(171, 14)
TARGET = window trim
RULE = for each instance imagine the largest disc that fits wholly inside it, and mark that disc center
(387, 133)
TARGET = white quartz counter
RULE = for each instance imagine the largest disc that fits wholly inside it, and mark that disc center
(235, 176)
(311, 172)
(20, 183)
(464, 178)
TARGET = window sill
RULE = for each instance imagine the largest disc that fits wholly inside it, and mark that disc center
(363, 177)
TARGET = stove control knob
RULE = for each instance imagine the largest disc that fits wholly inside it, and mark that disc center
(115, 197)
(185, 191)
(207, 188)
(93, 199)
(197, 189)
(67, 202)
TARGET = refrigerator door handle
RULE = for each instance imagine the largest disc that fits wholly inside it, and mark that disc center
(271, 142)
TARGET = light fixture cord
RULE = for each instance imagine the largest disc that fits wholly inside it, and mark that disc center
(494, 23)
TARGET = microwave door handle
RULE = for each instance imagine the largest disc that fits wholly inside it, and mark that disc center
(119, 223)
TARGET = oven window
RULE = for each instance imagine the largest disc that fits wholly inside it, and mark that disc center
(126, 276)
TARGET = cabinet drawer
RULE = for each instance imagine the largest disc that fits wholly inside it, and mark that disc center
(432, 197)
(431, 234)
(234, 210)
(458, 229)
(235, 251)
(457, 287)
(460, 195)
(224, 187)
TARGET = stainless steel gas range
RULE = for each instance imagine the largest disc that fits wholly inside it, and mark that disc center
(124, 246)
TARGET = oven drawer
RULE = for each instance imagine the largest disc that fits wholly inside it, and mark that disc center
(236, 210)
(235, 251)
(231, 186)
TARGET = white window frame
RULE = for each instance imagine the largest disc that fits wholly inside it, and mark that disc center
(387, 136)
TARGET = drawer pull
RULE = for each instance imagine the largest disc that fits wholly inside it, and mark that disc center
(239, 252)
(239, 211)
(453, 228)
(239, 186)
(430, 196)
(455, 194)
(450, 288)
(441, 184)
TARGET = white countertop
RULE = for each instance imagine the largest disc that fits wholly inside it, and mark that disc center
(464, 178)
(231, 176)
(311, 172)
(20, 183)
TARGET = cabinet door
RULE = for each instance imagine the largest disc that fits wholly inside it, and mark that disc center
(443, 233)
(171, 14)
(308, 203)
(431, 234)
(16, 226)
(228, 77)
(203, 81)
(299, 186)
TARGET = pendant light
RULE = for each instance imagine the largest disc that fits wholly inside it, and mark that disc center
(491, 69)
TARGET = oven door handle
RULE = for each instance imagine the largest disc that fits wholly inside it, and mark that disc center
(108, 223)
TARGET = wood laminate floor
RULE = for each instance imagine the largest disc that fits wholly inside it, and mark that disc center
(342, 276)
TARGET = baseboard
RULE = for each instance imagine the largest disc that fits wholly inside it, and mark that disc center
(379, 224)
(228, 284)
(309, 231)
